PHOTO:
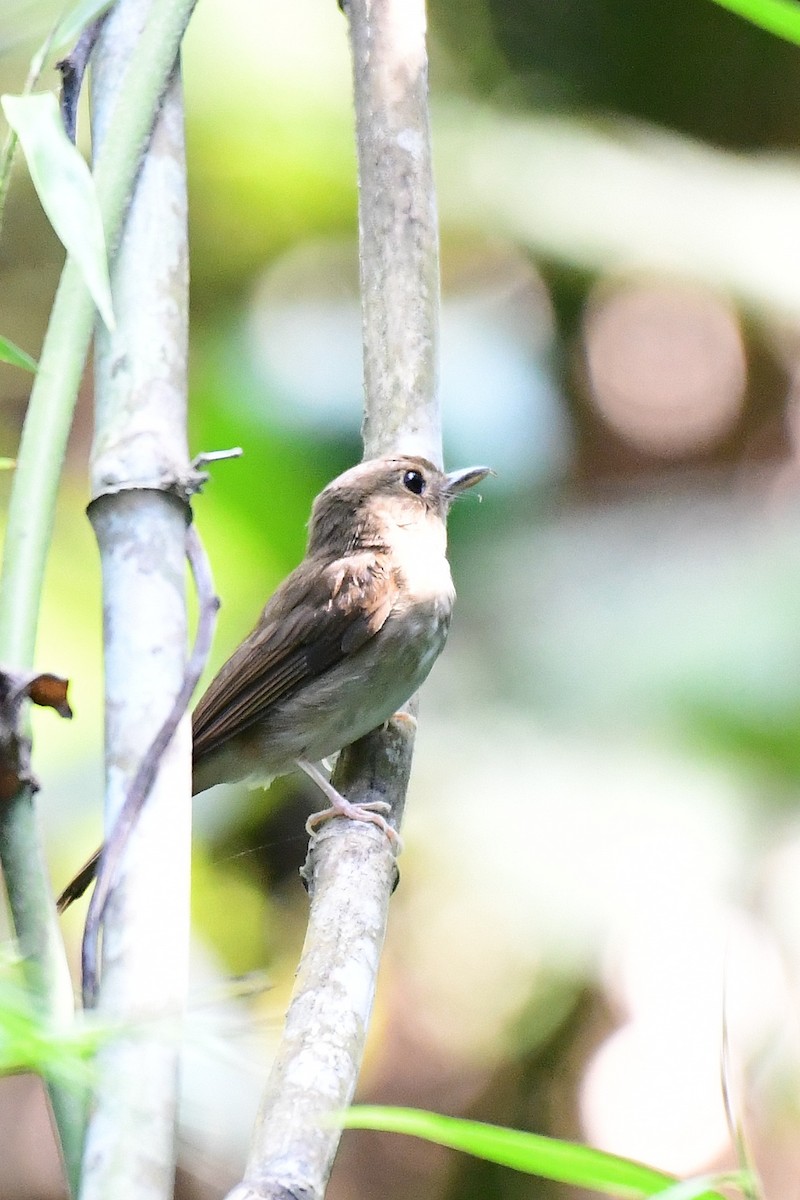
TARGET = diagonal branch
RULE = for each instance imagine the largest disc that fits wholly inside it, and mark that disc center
(350, 875)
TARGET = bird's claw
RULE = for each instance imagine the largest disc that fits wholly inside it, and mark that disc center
(370, 812)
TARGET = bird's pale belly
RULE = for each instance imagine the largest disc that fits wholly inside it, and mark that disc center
(350, 700)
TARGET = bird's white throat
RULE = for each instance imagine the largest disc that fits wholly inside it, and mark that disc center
(419, 549)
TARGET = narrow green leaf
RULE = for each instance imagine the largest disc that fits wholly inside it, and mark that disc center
(66, 189)
(73, 23)
(691, 1189)
(9, 353)
(7, 464)
(781, 17)
(564, 1162)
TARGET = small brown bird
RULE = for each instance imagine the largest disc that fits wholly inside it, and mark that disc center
(342, 644)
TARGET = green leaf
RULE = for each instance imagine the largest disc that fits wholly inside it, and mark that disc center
(73, 23)
(564, 1162)
(9, 353)
(781, 17)
(29, 1041)
(690, 1189)
(66, 189)
(7, 464)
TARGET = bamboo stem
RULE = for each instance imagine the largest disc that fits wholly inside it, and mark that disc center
(139, 457)
(30, 523)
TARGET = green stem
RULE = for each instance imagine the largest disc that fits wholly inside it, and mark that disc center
(32, 508)
(29, 896)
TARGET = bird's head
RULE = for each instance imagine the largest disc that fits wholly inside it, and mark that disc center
(360, 508)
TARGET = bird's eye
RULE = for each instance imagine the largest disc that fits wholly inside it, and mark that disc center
(414, 481)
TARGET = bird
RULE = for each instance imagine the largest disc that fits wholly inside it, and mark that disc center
(341, 645)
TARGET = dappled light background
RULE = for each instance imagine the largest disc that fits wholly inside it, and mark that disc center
(602, 862)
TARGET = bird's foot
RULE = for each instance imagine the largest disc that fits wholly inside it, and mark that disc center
(370, 811)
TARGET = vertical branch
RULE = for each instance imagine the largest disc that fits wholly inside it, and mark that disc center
(139, 458)
(398, 231)
(350, 869)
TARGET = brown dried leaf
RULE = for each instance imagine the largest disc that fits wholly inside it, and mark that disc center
(50, 691)
(15, 748)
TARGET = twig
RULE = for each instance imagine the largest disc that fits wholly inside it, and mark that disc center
(73, 69)
(116, 842)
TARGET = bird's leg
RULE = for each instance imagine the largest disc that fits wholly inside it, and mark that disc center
(339, 807)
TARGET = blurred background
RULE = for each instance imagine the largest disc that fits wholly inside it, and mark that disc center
(602, 854)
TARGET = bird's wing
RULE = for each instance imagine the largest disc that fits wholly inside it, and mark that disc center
(314, 620)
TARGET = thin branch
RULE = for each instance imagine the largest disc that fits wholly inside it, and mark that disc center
(73, 69)
(116, 843)
(350, 868)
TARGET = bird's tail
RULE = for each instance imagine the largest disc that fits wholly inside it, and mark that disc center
(77, 886)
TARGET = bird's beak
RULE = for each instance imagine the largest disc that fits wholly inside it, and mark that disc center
(467, 477)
